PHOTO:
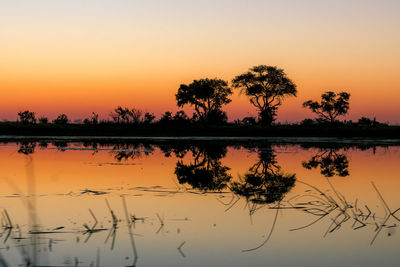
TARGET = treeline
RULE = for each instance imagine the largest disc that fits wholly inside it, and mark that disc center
(265, 86)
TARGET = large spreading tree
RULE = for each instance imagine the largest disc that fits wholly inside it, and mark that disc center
(207, 96)
(266, 87)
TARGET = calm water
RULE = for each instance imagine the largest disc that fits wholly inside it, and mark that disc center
(199, 203)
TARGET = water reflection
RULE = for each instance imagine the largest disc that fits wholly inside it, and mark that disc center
(125, 152)
(27, 148)
(264, 181)
(330, 162)
(205, 172)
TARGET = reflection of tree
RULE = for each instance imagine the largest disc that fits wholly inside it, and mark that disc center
(330, 162)
(61, 145)
(264, 183)
(178, 149)
(206, 172)
(124, 152)
(27, 148)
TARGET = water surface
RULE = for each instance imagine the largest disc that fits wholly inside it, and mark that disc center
(198, 203)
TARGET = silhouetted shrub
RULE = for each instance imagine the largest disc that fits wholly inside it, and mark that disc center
(166, 118)
(94, 119)
(148, 118)
(27, 117)
(308, 122)
(249, 121)
(126, 115)
(61, 119)
(43, 120)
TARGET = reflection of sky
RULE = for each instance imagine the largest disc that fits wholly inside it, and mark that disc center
(206, 244)
(57, 54)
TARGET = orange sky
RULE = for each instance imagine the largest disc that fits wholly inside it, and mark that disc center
(76, 57)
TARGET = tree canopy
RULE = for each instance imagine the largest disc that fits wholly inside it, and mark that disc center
(126, 115)
(331, 106)
(266, 87)
(61, 119)
(27, 116)
(207, 96)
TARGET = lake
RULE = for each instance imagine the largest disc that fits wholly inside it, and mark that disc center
(199, 202)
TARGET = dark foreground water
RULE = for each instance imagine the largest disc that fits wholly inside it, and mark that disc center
(199, 203)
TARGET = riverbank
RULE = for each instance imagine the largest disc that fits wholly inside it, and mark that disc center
(230, 130)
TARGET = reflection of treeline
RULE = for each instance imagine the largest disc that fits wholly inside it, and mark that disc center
(200, 164)
(180, 147)
(264, 182)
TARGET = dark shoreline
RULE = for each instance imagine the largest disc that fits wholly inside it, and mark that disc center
(230, 130)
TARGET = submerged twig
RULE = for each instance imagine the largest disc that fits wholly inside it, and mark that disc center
(180, 249)
(270, 233)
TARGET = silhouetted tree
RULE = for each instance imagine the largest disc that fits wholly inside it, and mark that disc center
(180, 116)
(126, 115)
(61, 119)
(43, 120)
(206, 172)
(363, 121)
(179, 119)
(148, 118)
(217, 116)
(248, 121)
(264, 183)
(27, 117)
(330, 162)
(166, 117)
(308, 122)
(94, 119)
(266, 87)
(135, 116)
(207, 96)
(331, 106)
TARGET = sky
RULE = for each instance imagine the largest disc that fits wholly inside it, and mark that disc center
(79, 56)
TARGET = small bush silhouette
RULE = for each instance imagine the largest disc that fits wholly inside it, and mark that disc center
(61, 119)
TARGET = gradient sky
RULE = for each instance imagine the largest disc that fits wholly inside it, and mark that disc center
(78, 56)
